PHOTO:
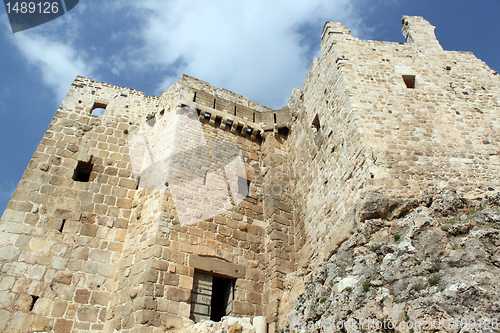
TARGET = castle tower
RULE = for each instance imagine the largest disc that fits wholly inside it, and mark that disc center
(391, 117)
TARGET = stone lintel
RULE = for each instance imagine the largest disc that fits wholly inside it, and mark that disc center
(216, 266)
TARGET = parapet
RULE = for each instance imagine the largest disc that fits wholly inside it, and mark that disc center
(337, 29)
(419, 31)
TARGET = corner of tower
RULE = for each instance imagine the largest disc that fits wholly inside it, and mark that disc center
(333, 32)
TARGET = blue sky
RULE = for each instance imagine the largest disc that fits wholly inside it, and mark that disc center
(258, 48)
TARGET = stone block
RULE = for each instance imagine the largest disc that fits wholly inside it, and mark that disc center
(9, 252)
(63, 326)
(40, 245)
(89, 230)
(100, 297)
(178, 294)
(243, 308)
(87, 313)
(82, 296)
(42, 306)
(63, 214)
(63, 277)
(36, 272)
(4, 318)
(15, 268)
(21, 321)
(59, 308)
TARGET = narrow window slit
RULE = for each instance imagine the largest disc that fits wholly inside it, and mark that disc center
(214, 103)
(254, 117)
(316, 123)
(235, 110)
(194, 97)
(33, 301)
(62, 225)
(275, 118)
(138, 182)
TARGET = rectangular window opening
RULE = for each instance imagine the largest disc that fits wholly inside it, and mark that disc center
(98, 109)
(214, 103)
(409, 81)
(254, 117)
(235, 110)
(275, 118)
(212, 297)
(83, 171)
(194, 97)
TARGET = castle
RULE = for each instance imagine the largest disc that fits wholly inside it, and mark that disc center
(197, 204)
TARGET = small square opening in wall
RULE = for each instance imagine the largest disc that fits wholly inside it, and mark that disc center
(98, 109)
(410, 81)
(82, 171)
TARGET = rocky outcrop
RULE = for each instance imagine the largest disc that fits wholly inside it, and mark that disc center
(226, 325)
(422, 264)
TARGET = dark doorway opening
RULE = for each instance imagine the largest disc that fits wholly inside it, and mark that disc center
(222, 298)
(212, 297)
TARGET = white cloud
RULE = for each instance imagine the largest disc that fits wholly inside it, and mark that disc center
(49, 49)
(58, 62)
(250, 47)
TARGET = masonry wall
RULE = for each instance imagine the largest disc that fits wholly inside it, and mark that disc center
(163, 250)
(61, 239)
(112, 253)
(376, 133)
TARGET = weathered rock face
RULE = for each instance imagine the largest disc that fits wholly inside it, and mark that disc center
(435, 266)
(226, 325)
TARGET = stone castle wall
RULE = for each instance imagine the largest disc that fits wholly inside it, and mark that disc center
(230, 188)
(376, 133)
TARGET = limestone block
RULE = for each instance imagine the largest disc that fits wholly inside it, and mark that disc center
(63, 326)
(43, 306)
(21, 321)
(9, 252)
(36, 272)
(87, 313)
(4, 318)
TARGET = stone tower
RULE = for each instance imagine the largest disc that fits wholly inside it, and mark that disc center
(138, 213)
